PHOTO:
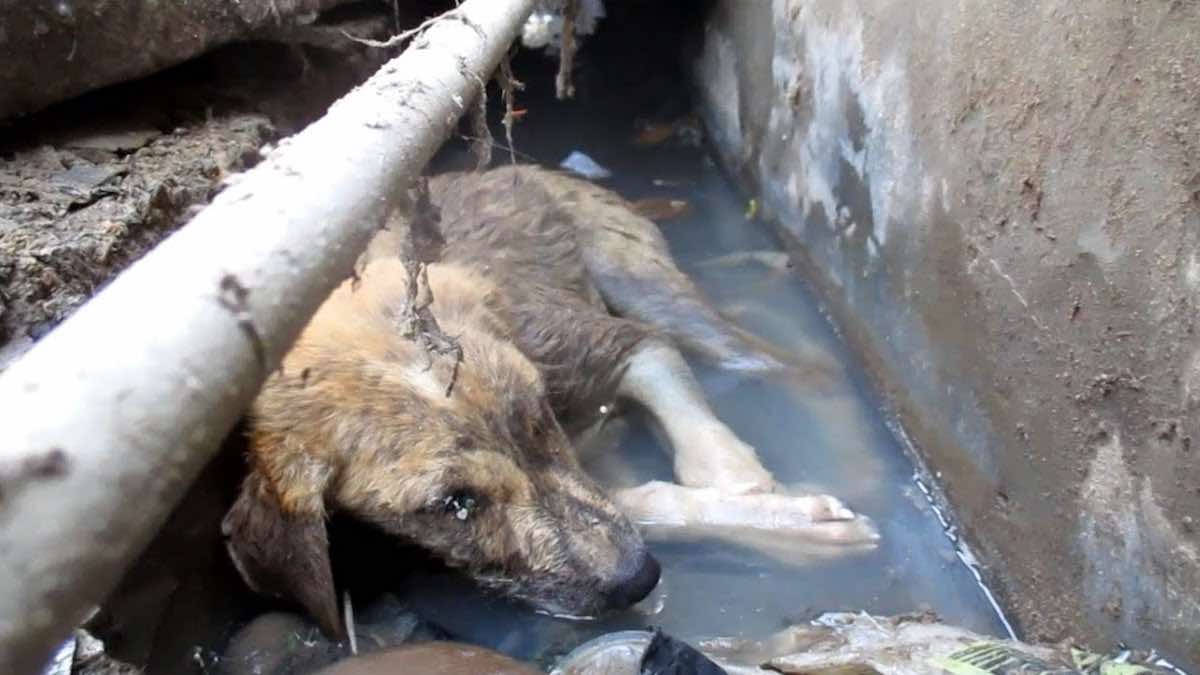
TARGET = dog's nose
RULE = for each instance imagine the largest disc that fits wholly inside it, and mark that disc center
(630, 587)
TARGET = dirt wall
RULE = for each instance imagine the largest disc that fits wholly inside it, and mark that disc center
(54, 50)
(88, 187)
(1002, 202)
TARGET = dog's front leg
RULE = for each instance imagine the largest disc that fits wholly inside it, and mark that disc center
(706, 452)
(725, 492)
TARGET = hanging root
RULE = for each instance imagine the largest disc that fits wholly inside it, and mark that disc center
(424, 246)
(509, 85)
(565, 88)
(482, 144)
(404, 36)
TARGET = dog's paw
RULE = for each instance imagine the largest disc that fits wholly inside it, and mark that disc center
(792, 528)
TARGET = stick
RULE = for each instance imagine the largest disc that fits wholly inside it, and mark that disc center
(111, 416)
(509, 85)
(423, 247)
(566, 57)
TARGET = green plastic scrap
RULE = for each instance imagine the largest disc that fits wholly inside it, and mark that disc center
(993, 658)
(1095, 664)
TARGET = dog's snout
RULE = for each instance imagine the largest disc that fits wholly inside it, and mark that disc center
(634, 581)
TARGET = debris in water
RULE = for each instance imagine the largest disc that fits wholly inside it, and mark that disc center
(685, 131)
(585, 166)
(667, 656)
(776, 261)
(751, 209)
(653, 134)
(660, 209)
(348, 610)
(636, 653)
(83, 654)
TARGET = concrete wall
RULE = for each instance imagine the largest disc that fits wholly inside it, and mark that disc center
(1002, 201)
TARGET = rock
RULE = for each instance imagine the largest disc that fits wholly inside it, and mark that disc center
(117, 140)
(279, 643)
(432, 658)
(276, 643)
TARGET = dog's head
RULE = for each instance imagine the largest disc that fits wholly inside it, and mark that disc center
(485, 478)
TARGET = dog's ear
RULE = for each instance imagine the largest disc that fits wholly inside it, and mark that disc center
(283, 551)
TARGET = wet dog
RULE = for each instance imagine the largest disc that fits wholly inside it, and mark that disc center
(561, 298)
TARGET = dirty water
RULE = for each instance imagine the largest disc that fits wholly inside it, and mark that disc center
(835, 440)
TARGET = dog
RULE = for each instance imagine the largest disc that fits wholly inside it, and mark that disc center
(561, 298)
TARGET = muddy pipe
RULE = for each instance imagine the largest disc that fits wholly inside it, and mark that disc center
(107, 420)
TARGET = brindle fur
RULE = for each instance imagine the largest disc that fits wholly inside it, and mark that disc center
(535, 267)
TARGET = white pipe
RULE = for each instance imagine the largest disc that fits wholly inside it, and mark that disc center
(105, 422)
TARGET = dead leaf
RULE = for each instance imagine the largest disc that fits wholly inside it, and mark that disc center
(660, 209)
(654, 134)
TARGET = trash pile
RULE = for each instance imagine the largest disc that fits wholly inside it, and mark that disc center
(848, 644)
(392, 639)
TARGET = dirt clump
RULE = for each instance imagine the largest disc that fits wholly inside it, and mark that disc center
(74, 213)
(90, 185)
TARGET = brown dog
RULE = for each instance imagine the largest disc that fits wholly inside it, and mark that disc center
(562, 299)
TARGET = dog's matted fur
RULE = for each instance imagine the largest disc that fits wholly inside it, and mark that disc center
(562, 298)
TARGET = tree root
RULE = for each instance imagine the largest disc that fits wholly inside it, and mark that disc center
(509, 85)
(423, 247)
(564, 87)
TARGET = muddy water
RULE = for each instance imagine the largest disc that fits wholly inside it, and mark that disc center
(837, 441)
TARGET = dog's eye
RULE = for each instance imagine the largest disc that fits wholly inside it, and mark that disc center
(460, 504)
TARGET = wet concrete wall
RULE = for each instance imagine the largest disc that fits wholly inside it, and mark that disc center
(1002, 203)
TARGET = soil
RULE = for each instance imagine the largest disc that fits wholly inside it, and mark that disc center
(89, 186)
(72, 215)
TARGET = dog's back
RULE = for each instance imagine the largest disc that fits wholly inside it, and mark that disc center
(525, 225)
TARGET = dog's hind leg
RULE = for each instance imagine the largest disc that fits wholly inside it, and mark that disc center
(706, 453)
(637, 278)
(629, 263)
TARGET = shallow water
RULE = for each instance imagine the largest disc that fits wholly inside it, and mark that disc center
(837, 441)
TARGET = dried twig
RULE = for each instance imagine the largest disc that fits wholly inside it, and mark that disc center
(566, 58)
(509, 85)
(481, 147)
(424, 246)
(351, 629)
(404, 36)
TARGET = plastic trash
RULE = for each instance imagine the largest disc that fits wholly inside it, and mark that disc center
(667, 656)
(660, 209)
(636, 652)
(585, 166)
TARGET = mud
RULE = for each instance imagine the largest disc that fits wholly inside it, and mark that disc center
(1002, 205)
(91, 185)
(70, 216)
